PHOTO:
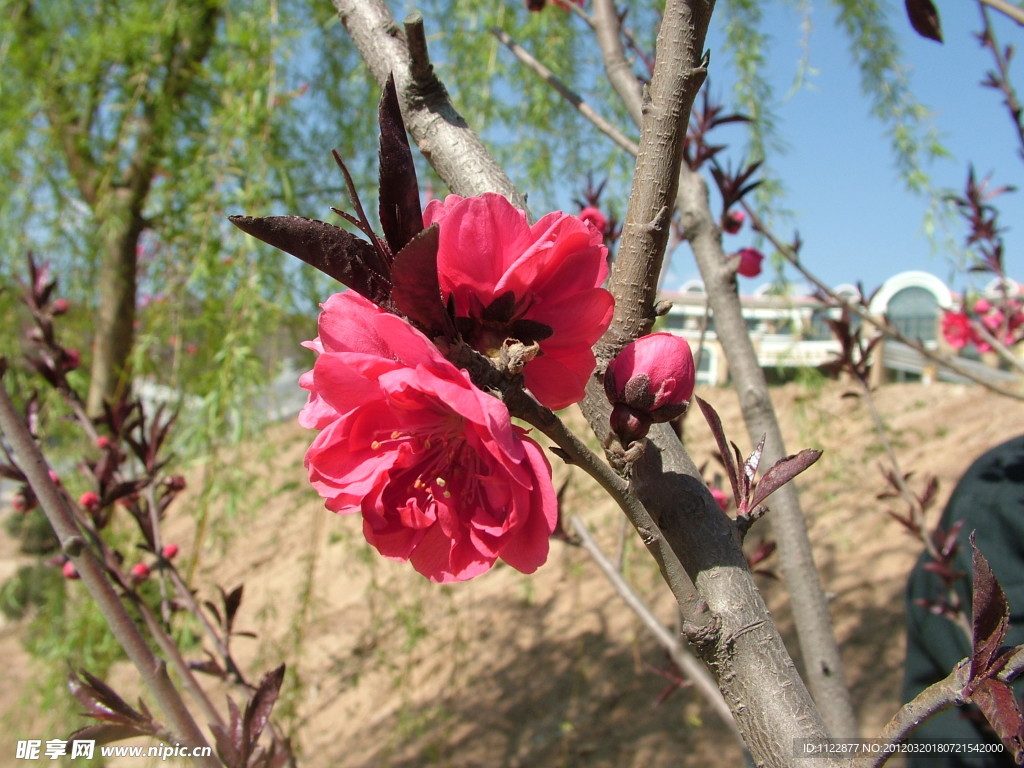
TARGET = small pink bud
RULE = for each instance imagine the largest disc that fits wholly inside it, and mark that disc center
(102, 442)
(169, 551)
(72, 359)
(651, 380)
(981, 306)
(70, 572)
(140, 571)
(59, 306)
(20, 504)
(750, 262)
(90, 501)
(54, 478)
(595, 218)
(721, 498)
(732, 221)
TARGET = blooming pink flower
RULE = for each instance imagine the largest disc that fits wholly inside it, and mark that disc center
(651, 380)
(750, 262)
(981, 306)
(956, 329)
(594, 217)
(440, 474)
(732, 221)
(534, 284)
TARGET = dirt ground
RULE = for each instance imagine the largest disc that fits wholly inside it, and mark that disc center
(509, 671)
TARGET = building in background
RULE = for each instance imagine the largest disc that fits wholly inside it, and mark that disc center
(790, 332)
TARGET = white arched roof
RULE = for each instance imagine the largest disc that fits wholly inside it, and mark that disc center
(911, 279)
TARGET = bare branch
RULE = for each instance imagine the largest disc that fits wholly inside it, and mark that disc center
(152, 669)
(442, 135)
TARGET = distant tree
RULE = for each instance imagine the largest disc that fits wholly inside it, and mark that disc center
(130, 130)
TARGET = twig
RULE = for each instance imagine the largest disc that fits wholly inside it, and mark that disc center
(152, 669)
(1007, 9)
(690, 666)
(569, 95)
(942, 695)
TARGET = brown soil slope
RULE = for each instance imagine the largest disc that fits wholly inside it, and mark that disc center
(387, 669)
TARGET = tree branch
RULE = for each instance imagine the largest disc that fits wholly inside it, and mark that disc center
(441, 134)
(152, 669)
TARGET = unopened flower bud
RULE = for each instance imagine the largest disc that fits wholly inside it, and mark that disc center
(169, 551)
(72, 359)
(732, 221)
(70, 571)
(59, 306)
(140, 571)
(749, 262)
(90, 501)
(650, 381)
(102, 442)
(176, 483)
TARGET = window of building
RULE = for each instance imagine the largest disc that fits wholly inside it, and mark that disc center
(914, 312)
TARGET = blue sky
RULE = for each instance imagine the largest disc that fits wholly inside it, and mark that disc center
(855, 217)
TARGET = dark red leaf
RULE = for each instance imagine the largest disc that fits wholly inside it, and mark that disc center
(257, 713)
(416, 292)
(753, 461)
(334, 251)
(781, 472)
(226, 749)
(401, 217)
(231, 603)
(996, 701)
(990, 614)
(713, 420)
(107, 733)
(924, 18)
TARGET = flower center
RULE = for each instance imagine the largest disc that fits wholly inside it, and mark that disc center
(485, 328)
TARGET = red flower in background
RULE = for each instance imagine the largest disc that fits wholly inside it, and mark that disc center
(750, 262)
(594, 216)
(534, 284)
(441, 476)
(956, 329)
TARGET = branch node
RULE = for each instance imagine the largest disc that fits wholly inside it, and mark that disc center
(73, 546)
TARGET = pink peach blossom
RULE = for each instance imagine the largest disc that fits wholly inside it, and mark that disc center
(534, 284)
(440, 474)
(956, 329)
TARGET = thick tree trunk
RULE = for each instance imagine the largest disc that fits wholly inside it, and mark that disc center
(115, 314)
